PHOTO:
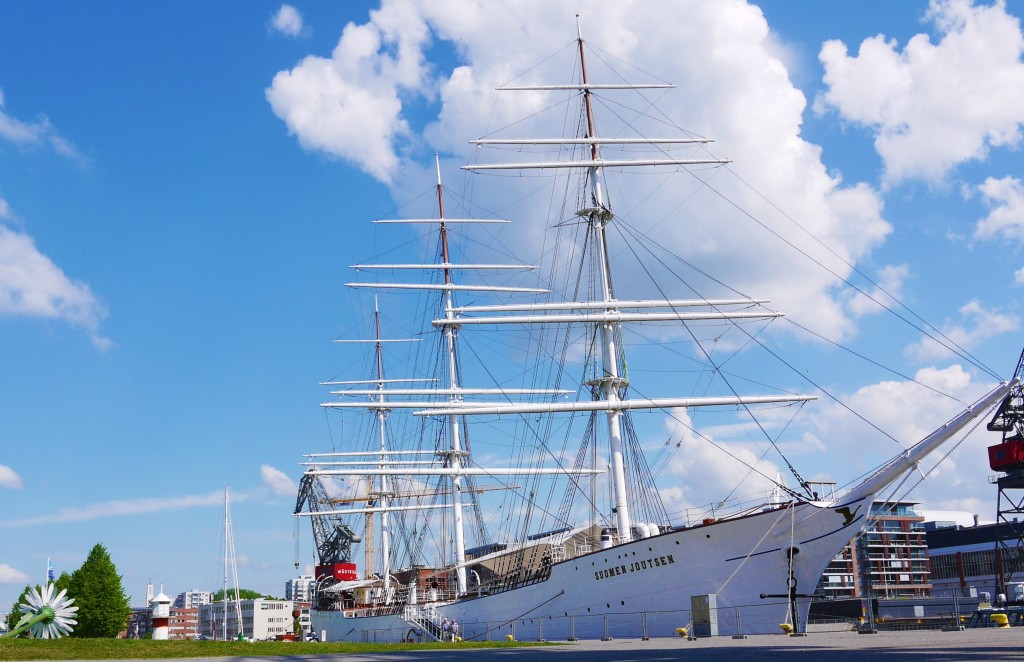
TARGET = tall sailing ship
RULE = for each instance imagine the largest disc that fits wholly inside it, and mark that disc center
(530, 506)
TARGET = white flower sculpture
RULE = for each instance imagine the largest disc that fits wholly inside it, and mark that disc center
(46, 616)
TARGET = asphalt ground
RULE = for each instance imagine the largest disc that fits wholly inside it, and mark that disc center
(917, 646)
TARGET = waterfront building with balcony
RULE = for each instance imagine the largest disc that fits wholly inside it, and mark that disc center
(892, 553)
(888, 560)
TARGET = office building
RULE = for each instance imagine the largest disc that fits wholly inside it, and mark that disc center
(262, 619)
(966, 560)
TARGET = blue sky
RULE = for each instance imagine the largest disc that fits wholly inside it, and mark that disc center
(182, 188)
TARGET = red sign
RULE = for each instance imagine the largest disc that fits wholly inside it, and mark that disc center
(343, 572)
(1006, 456)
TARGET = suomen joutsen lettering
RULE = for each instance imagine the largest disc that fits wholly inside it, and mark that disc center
(635, 566)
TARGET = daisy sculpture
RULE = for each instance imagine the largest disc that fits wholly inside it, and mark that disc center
(46, 616)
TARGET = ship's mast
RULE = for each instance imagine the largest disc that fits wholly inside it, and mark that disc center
(605, 314)
(455, 452)
(382, 414)
(610, 383)
(452, 409)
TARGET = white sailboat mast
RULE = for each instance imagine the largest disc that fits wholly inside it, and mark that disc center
(454, 421)
(230, 558)
(610, 381)
(227, 526)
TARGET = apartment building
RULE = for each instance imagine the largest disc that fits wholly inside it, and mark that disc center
(889, 560)
(193, 599)
(299, 589)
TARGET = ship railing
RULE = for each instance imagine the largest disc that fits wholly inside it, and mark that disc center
(736, 507)
(760, 617)
(387, 607)
(436, 595)
(517, 578)
(426, 618)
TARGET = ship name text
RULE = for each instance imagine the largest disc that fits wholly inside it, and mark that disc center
(635, 566)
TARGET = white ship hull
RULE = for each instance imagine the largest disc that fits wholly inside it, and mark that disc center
(751, 564)
(643, 588)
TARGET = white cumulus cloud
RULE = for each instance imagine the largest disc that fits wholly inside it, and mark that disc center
(888, 289)
(1005, 199)
(287, 21)
(9, 575)
(348, 105)
(278, 482)
(934, 105)
(31, 285)
(10, 478)
(907, 412)
(978, 324)
(364, 102)
(704, 464)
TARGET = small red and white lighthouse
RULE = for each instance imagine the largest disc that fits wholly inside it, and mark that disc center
(160, 614)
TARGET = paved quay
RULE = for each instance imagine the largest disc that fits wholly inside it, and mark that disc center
(916, 646)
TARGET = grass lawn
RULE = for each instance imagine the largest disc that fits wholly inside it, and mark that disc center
(120, 649)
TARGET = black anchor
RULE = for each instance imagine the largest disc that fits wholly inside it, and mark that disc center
(792, 594)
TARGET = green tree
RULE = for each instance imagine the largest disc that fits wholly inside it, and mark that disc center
(14, 615)
(243, 594)
(63, 583)
(102, 604)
